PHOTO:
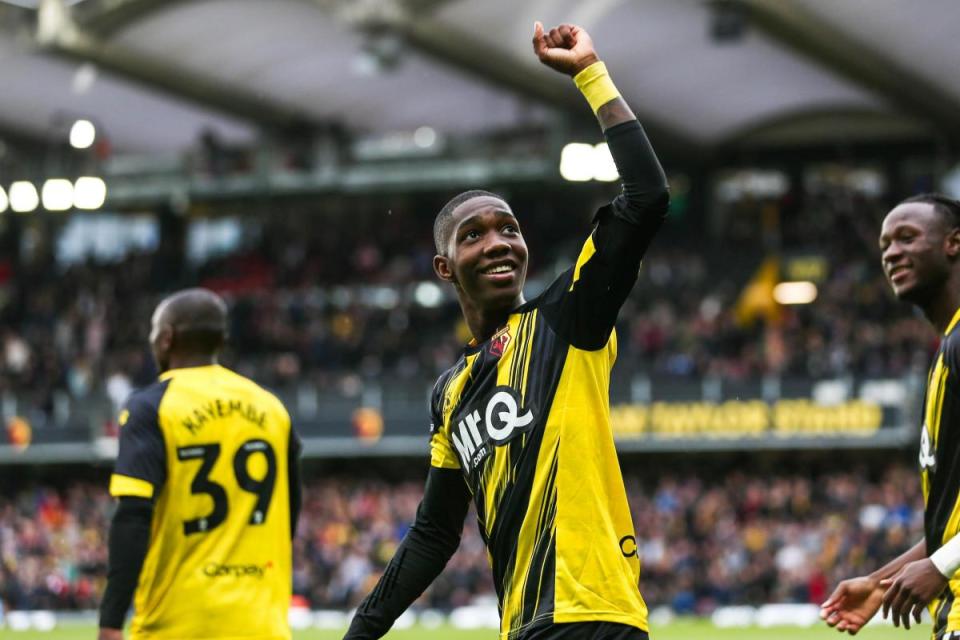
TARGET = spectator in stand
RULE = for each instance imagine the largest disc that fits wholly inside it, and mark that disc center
(749, 538)
(333, 310)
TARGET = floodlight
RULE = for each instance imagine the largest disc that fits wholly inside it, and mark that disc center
(800, 292)
(604, 169)
(23, 197)
(82, 134)
(57, 194)
(576, 162)
(89, 193)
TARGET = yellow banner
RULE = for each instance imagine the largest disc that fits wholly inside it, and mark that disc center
(752, 418)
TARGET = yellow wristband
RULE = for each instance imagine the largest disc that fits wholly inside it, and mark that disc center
(596, 86)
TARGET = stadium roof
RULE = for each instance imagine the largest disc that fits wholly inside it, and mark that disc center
(154, 74)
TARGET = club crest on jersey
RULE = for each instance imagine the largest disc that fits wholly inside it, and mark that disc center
(928, 457)
(478, 430)
(499, 342)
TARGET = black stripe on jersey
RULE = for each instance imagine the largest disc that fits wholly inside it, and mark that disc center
(440, 389)
(943, 613)
(538, 590)
(541, 388)
(524, 329)
(523, 334)
(945, 479)
(511, 511)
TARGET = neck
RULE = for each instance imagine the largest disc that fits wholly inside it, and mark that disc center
(188, 360)
(483, 323)
(943, 306)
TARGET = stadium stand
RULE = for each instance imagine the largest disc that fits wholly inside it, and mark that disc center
(753, 537)
(308, 308)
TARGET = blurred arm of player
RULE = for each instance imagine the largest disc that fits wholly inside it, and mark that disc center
(127, 544)
(424, 552)
(855, 601)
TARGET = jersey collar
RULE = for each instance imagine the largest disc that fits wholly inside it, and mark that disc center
(169, 373)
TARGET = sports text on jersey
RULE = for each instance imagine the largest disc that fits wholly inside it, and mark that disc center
(218, 570)
(500, 421)
(928, 456)
(220, 408)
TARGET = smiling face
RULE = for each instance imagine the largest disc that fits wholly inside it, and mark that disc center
(918, 251)
(486, 256)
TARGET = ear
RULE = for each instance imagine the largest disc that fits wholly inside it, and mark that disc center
(952, 243)
(443, 269)
(165, 338)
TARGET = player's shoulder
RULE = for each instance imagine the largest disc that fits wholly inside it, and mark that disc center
(950, 349)
(257, 391)
(444, 378)
(143, 403)
(442, 383)
(147, 397)
(552, 294)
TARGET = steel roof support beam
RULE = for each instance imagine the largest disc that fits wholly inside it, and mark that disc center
(58, 33)
(818, 40)
(469, 54)
(106, 17)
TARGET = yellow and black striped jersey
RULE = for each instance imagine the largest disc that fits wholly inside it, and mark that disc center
(939, 468)
(525, 415)
(212, 450)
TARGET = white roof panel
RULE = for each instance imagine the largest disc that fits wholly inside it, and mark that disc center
(920, 35)
(40, 96)
(309, 61)
(665, 63)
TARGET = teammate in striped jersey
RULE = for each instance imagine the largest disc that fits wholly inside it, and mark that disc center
(920, 245)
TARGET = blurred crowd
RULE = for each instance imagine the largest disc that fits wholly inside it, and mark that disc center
(317, 301)
(745, 538)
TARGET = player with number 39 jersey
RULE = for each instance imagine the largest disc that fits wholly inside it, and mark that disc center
(215, 456)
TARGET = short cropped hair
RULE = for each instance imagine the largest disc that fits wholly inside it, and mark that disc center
(945, 206)
(444, 219)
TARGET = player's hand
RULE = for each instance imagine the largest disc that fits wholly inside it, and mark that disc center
(110, 634)
(566, 48)
(852, 604)
(911, 590)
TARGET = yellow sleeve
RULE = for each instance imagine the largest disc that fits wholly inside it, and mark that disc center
(121, 485)
(442, 454)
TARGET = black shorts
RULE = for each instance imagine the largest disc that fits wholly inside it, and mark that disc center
(586, 631)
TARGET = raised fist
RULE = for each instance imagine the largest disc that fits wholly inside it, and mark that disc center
(566, 48)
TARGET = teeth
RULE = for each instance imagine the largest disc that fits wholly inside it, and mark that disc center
(504, 268)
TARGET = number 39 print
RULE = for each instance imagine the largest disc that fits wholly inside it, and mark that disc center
(203, 485)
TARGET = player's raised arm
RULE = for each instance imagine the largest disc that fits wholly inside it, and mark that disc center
(586, 308)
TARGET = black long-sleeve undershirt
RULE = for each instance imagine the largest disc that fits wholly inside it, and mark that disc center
(127, 543)
(645, 197)
(424, 552)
